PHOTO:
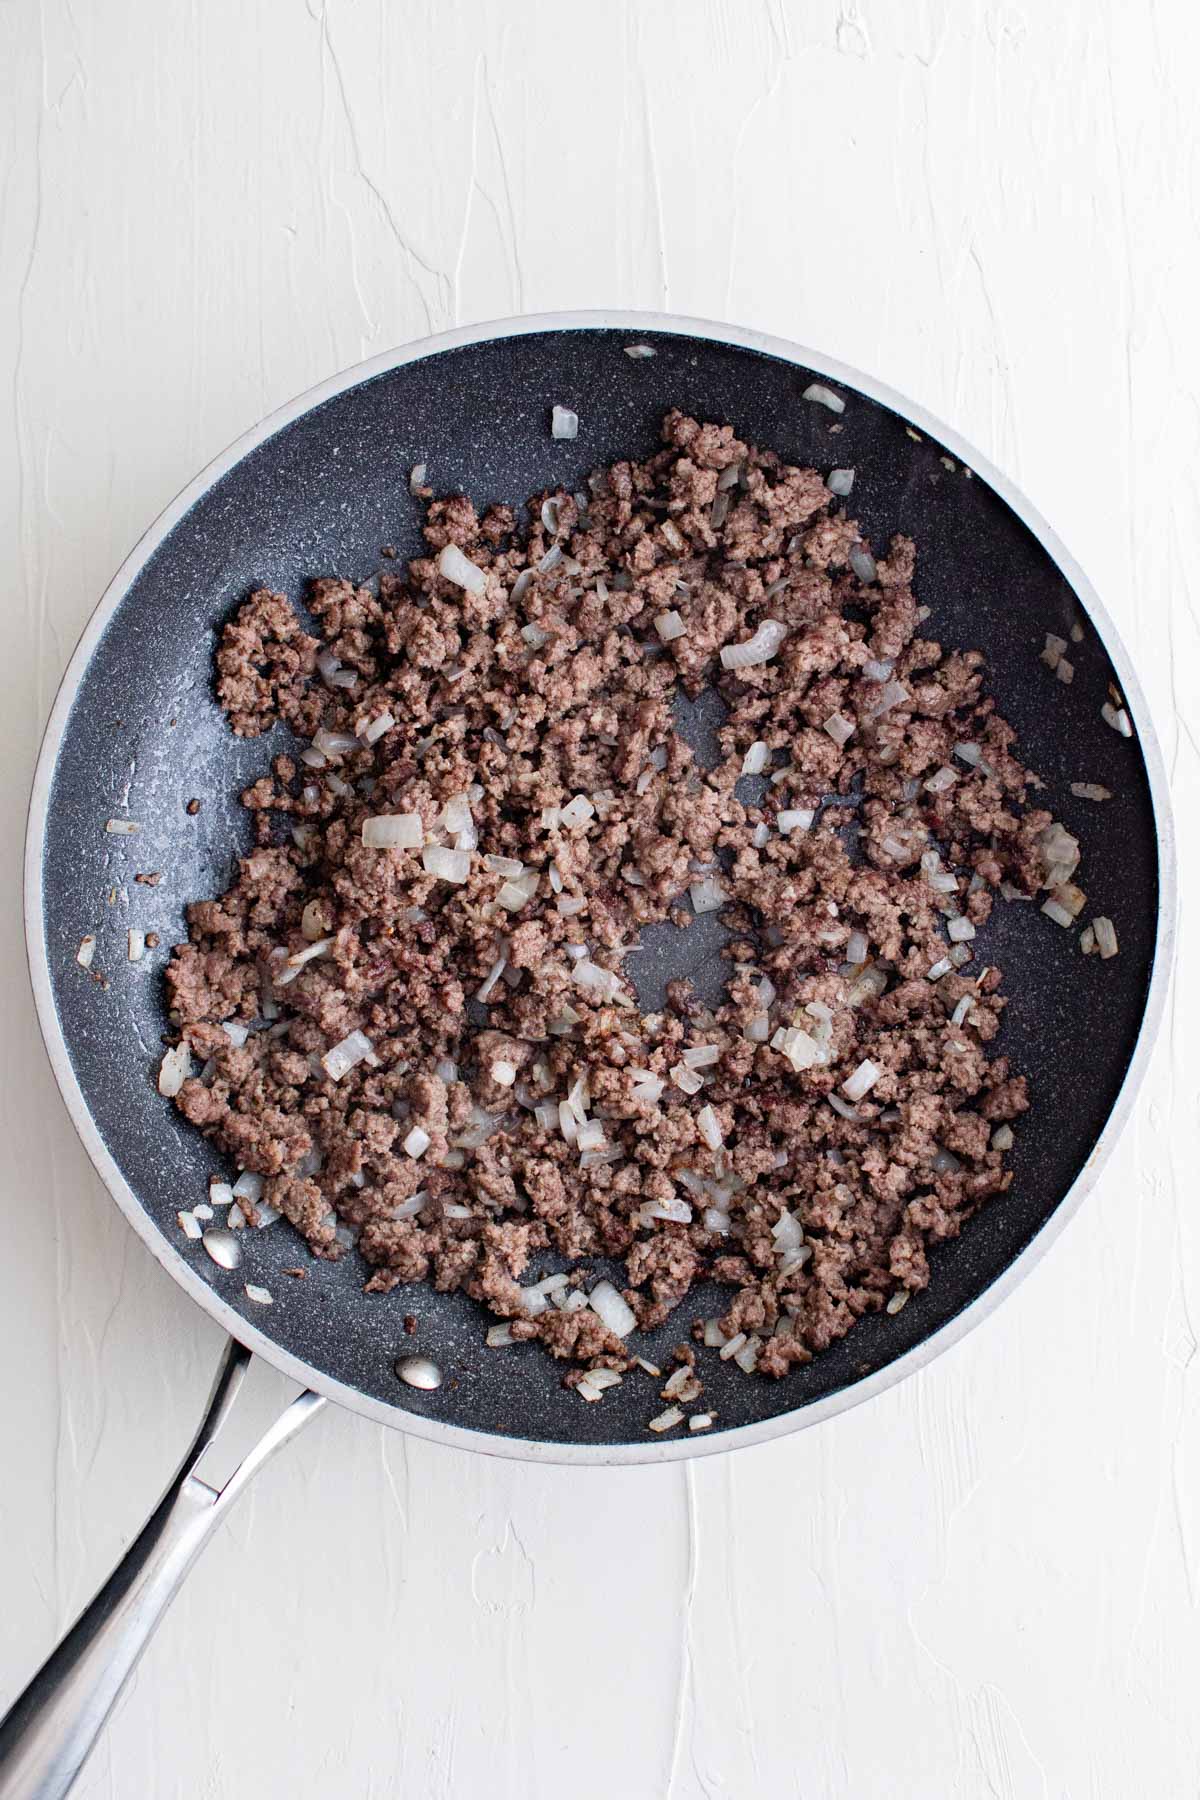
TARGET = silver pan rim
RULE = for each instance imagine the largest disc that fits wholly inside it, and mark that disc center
(514, 1447)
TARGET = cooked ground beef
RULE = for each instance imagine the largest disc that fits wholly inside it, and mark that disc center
(509, 1099)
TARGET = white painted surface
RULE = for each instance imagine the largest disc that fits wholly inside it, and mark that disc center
(985, 1583)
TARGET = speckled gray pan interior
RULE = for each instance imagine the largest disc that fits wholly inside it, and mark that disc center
(138, 733)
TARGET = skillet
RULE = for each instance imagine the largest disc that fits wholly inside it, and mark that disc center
(318, 488)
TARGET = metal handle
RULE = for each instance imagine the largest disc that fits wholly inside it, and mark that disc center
(46, 1736)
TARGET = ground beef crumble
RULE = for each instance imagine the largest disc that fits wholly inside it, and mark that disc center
(515, 1106)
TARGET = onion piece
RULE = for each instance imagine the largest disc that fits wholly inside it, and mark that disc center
(459, 569)
(707, 895)
(863, 564)
(669, 626)
(701, 1056)
(839, 728)
(447, 865)
(840, 482)
(709, 1127)
(417, 1142)
(824, 396)
(612, 1309)
(1118, 718)
(587, 974)
(755, 759)
(564, 423)
(796, 818)
(960, 930)
(858, 1085)
(393, 831)
(377, 727)
(86, 951)
(1090, 790)
(174, 1070)
(666, 1421)
(121, 827)
(766, 643)
(1106, 937)
(891, 695)
(345, 1055)
(639, 352)
(487, 986)
(332, 744)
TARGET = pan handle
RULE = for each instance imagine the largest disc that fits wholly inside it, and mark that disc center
(46, 1736)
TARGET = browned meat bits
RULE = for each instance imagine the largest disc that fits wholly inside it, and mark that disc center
(412, 1006)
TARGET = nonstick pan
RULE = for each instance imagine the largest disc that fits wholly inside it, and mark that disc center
(319, 488)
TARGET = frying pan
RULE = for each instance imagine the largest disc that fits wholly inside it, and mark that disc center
(318, 488)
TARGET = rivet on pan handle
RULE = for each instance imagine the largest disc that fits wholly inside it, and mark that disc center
(46, 1736)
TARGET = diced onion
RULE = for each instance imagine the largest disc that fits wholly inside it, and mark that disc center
(840, 729)
(174, 1070)
(486, 988)
(577, 811)
(674, 1415)
(863, 564)
(709, 1127)
(760, 648)
(638, 352)
(787, 1232)
(840, 482)
(354, 1048)
(447, 865)
(755, 759)
(612, 1309)
(669, 626)
(856, 1086)
(686, 1079)
(702, 1056)
(857, 947)
(960, 931)
(1090, 790)
(564, 423)
(514, 895)
(707, 895)
(1106, 937)
(587, 974)
(824, 396)
(417, 1142)
(891, 695)
(378, 726)
(86, 951)
(334, 743)
(459, 569)
(393, 831)
(796, 818)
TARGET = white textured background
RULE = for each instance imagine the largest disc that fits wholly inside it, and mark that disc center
(986, 1583)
